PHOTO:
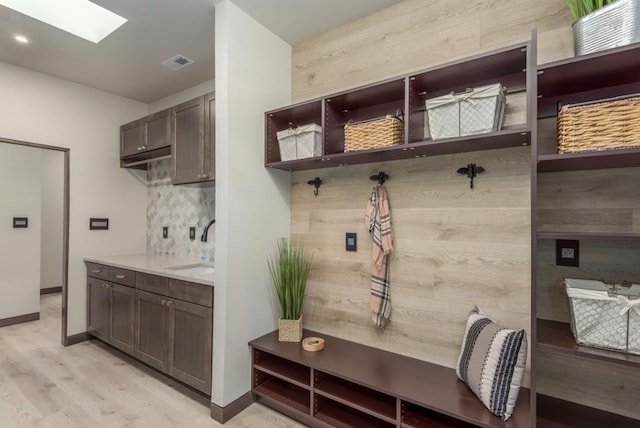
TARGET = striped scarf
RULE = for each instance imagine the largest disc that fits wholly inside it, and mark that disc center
(378, 221)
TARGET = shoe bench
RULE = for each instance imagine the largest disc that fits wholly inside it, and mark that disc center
(352, 385)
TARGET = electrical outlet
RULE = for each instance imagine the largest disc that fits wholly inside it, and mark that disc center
(192, 233)
(165, 232)
(567, 252)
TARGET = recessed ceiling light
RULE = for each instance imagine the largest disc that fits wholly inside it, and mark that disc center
(81, 18)
(20, 39)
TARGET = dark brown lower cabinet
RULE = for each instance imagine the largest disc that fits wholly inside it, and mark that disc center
(121, 317)
(190, 340)
(97, 308)
(170, 329)
(152, 330)
(175, 337)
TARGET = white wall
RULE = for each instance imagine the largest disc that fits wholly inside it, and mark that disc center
(52, 224)
(182, 96)
(39, 108)
(253, 74)
(19, 248)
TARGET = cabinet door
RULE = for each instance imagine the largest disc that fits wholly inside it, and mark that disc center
(132, 138)
(158, 127)
(191, 328)
(188, 141)
(152, 330)
(209, 149)
(97, 308)
(121, 317)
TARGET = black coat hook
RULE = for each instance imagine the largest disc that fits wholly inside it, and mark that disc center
(316, 182)
(380, 177)
(471, 171)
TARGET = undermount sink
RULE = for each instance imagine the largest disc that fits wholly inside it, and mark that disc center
(194, 269)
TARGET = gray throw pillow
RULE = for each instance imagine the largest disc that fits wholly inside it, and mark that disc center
(492, 363)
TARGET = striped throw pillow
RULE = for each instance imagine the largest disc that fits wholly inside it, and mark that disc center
(492, 363)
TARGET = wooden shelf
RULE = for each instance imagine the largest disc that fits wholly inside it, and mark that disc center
(364, 399)
(283, 369)
(556, 336)
(508, 137)
(511, 66)
(556, 413)
(618, 236)
(417, 417)
(599, 75)
(340, 416)
(417, 382)
(620, 158)
(285, 393)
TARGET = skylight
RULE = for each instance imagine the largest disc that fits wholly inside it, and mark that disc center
(81, 18)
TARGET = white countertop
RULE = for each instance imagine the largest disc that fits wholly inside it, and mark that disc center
(156, 265)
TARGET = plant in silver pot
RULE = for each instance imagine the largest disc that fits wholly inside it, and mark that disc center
(604, 24)
(289, 268)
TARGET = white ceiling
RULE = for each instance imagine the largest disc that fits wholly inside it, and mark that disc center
(128, 61)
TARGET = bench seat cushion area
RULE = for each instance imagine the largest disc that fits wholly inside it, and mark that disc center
(492, 363)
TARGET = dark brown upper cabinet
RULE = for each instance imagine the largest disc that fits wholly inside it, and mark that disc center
(193, 142)
(145, 139)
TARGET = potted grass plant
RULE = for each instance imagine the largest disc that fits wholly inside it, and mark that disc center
(289, 268)
(604, 24)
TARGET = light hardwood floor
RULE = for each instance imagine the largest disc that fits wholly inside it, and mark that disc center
(91, 385)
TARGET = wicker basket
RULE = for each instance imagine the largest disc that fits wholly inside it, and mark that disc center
(290, 330)
(603, 125)
(373, 134)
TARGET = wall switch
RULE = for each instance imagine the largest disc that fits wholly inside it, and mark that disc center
(165, 232)
(567, 252)
(192, 233)
(351, 241)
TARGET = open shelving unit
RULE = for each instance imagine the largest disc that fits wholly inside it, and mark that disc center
(353, 385)
(512, 67)
(601, 75)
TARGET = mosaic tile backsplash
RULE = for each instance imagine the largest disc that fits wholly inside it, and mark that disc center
(178, 208)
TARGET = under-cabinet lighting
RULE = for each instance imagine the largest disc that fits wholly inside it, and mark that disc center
(81, 18)
(21, 39)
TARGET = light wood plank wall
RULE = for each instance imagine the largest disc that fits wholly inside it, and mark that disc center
(453, 247)
(606, 200)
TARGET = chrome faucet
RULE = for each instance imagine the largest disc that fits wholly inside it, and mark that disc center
(205, 233)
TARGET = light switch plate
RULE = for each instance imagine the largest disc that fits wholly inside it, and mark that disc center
(567, 252)
(351, 241)
(165, 232)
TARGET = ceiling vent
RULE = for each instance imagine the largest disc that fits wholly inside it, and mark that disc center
(177, 62)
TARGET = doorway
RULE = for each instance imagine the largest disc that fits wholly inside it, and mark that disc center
(49, 244)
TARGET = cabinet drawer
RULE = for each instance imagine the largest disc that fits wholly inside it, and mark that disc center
(152, 283)
(97, 271)
(191, 292)
(122, 276)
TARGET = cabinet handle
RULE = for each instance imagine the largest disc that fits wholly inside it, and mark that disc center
(96, 271)
(169, 302)
(106, 285)
(204, 176)
(138, 148)
(121, 276)
(163, 302)
(144, 147)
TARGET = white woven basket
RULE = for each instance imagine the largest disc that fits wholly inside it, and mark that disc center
(476, 111)
(305, 141)
(604, 315)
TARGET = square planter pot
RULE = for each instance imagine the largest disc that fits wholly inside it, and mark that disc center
(290, 330)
